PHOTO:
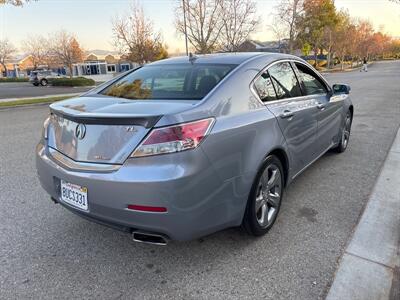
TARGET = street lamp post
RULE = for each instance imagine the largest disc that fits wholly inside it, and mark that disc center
(184, 24)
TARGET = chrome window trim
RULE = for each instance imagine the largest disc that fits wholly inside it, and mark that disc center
(302, 97)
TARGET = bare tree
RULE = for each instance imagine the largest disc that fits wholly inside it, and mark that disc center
(204, 23)
(15, 2)
(6, 51)
(38, 48)
(65, 49)
(288, 13)
(278, 29)
(239, 19)
(135, 37)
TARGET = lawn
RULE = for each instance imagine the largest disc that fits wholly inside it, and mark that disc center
(33, 101)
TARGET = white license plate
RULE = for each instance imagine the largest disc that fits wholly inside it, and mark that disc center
(74, 194)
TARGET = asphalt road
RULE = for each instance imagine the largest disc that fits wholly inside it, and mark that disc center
(26, 89)
(47, 252)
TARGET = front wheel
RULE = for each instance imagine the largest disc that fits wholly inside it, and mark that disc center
(265, 198)
(345, 134)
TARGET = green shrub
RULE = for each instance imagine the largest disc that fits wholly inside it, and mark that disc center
(13, 79)
(75, 81)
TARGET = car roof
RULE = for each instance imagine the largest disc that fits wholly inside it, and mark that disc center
(234, 58)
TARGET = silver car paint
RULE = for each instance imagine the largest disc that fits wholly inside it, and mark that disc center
(205, 189)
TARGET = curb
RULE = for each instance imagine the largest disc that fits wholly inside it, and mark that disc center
(369, 267)
(333, 71)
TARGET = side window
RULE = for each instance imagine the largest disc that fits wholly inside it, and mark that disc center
(284, 80)
(312, 83)
(264, 88)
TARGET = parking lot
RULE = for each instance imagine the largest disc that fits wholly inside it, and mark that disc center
(47, 252)
(27, 90)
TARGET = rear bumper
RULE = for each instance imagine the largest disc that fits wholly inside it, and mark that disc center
(197, 202)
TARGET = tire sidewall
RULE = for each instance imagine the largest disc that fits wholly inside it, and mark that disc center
(342, 147)
(250, 220)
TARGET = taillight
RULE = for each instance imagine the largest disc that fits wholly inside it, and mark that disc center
(174, 138)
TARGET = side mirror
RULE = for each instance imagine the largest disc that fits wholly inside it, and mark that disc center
(341, 89)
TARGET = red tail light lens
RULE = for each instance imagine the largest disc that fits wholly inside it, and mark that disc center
(174, 138)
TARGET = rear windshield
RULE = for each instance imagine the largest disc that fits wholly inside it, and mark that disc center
(180, 81)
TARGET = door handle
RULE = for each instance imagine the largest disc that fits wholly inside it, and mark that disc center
(321, 106)
(287, 114)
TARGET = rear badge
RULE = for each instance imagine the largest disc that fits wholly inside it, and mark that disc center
(80, 131)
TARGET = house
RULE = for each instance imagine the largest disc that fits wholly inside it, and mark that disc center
(19, 66)
(102, 64)
(271, 46)
(22, 65)
(281, 46)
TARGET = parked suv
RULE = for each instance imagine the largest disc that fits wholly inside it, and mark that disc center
(42, 77)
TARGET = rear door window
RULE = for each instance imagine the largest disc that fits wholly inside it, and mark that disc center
(264, 88)
(313, 85)
(284, 80)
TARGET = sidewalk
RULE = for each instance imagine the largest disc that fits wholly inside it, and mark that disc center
(370, 266)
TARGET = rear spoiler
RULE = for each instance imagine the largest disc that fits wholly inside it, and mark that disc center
(106, 119)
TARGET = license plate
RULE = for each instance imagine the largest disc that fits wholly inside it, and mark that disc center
(74, 195)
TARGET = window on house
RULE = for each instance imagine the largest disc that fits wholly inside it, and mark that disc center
(111, 69)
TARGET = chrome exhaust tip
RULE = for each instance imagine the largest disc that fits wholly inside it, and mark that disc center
(149, 238)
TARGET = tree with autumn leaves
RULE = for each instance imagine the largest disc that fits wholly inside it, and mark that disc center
(58, 49)
(317, 26)
(65, 50)
(134, 36)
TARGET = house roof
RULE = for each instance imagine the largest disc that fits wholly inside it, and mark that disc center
(18, 59)
(269, 44)
(103, 56)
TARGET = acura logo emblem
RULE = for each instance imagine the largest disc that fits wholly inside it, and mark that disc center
(80, 131)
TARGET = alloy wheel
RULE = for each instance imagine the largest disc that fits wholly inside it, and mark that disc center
(346, 131)
(268, 195)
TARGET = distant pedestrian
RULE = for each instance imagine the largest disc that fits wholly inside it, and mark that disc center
(365, 65)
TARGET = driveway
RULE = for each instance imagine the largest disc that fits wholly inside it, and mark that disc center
(47, 252)
(27, 90)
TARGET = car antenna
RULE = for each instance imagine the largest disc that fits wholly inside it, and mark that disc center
(192, 57)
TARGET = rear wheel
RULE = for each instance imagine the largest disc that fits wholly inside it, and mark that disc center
(345, 134)
(43, 82)
(265, 198)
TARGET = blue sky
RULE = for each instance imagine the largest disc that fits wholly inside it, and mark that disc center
(90, 20)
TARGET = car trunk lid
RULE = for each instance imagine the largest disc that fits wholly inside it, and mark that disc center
(105, 129)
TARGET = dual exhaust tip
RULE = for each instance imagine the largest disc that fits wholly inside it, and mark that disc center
(150, 238)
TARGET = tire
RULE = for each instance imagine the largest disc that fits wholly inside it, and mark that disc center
(43, 82)
(344, 134)
(265, 197)
(36, 84)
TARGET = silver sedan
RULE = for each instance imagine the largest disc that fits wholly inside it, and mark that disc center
(187, 146)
